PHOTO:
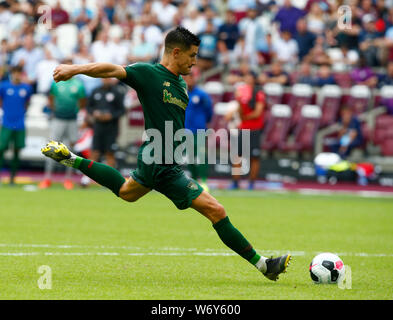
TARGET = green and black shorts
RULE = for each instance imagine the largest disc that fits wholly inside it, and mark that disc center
(16, 137)
(170, 180)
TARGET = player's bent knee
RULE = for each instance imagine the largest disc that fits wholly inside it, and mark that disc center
(127, 195)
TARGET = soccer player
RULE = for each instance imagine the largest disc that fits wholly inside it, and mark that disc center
(163, 95)
(15, 96)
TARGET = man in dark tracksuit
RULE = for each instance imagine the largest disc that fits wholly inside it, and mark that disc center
(105, 107)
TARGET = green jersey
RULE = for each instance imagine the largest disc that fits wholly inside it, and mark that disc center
(164, 99)
(66, 98)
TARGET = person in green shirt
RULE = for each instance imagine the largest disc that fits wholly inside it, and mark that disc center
(163, 95)
(65, 100)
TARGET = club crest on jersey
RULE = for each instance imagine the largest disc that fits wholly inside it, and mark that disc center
(166, 84)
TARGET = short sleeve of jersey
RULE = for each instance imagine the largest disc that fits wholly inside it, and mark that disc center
(137, 74)
(260, 97)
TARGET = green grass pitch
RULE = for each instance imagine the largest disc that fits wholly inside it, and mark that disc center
(99, 247)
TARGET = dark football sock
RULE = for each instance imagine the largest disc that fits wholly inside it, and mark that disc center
(101, 173)
(233, 239)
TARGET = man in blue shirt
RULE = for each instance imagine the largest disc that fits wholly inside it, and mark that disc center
(350, 134)
(14, 98)
(198, 113)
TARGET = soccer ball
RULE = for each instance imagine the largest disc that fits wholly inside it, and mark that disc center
(327, 268)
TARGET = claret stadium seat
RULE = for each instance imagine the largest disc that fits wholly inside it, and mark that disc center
(301, 95)
(274, 93)
(330, 104)
(386, 98)
(305, 130)
(359, 98)
(277, 128)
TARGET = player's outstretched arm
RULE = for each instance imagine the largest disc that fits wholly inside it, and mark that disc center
(64, 72)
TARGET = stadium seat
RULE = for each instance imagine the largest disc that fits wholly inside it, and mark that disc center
(277, 128)
(383, 124)
(343, 79)
(301, 95)
(215, 89)
(331, 99)
(387, 147)
(135, 117)
(220, 125)
(273, 93)
(359, 98)
(305, 130)
(386, 98)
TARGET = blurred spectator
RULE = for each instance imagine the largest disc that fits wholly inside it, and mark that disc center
(386, 79)
(14, 99)
(152, 33)
(237, 75)
(5, 56)
(254, 35)
(123, 10)
(275, 75)
(285, 48)
(305, 75)
(103, 49)
(52, 46)
(239, 7)
(344, 58)
(229, 32)
(194, 21)
(105, 107)
(65, 99)
(59, 16)
(211, 15)
(109, 9)
(208, 47)
(287, 16)
(45, 69)
(349, 36)
(367, 8)
(318, 55)
(165, 13)
(198, 114)
(315, 19)
(324, 76)
(349, 135)
(251, 111)
(304, 38)
(363, 74)
(28, 57)
(369, 41)
(83, 56)
(143, 51)
(83, 15)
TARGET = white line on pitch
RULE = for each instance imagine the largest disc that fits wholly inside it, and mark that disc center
(297, 253)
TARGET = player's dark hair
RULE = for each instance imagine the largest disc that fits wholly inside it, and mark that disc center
(180, 38)
(16, 68)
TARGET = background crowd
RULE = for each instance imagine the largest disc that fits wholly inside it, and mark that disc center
(283, 41)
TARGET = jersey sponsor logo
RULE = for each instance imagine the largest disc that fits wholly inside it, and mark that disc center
(167, 98)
